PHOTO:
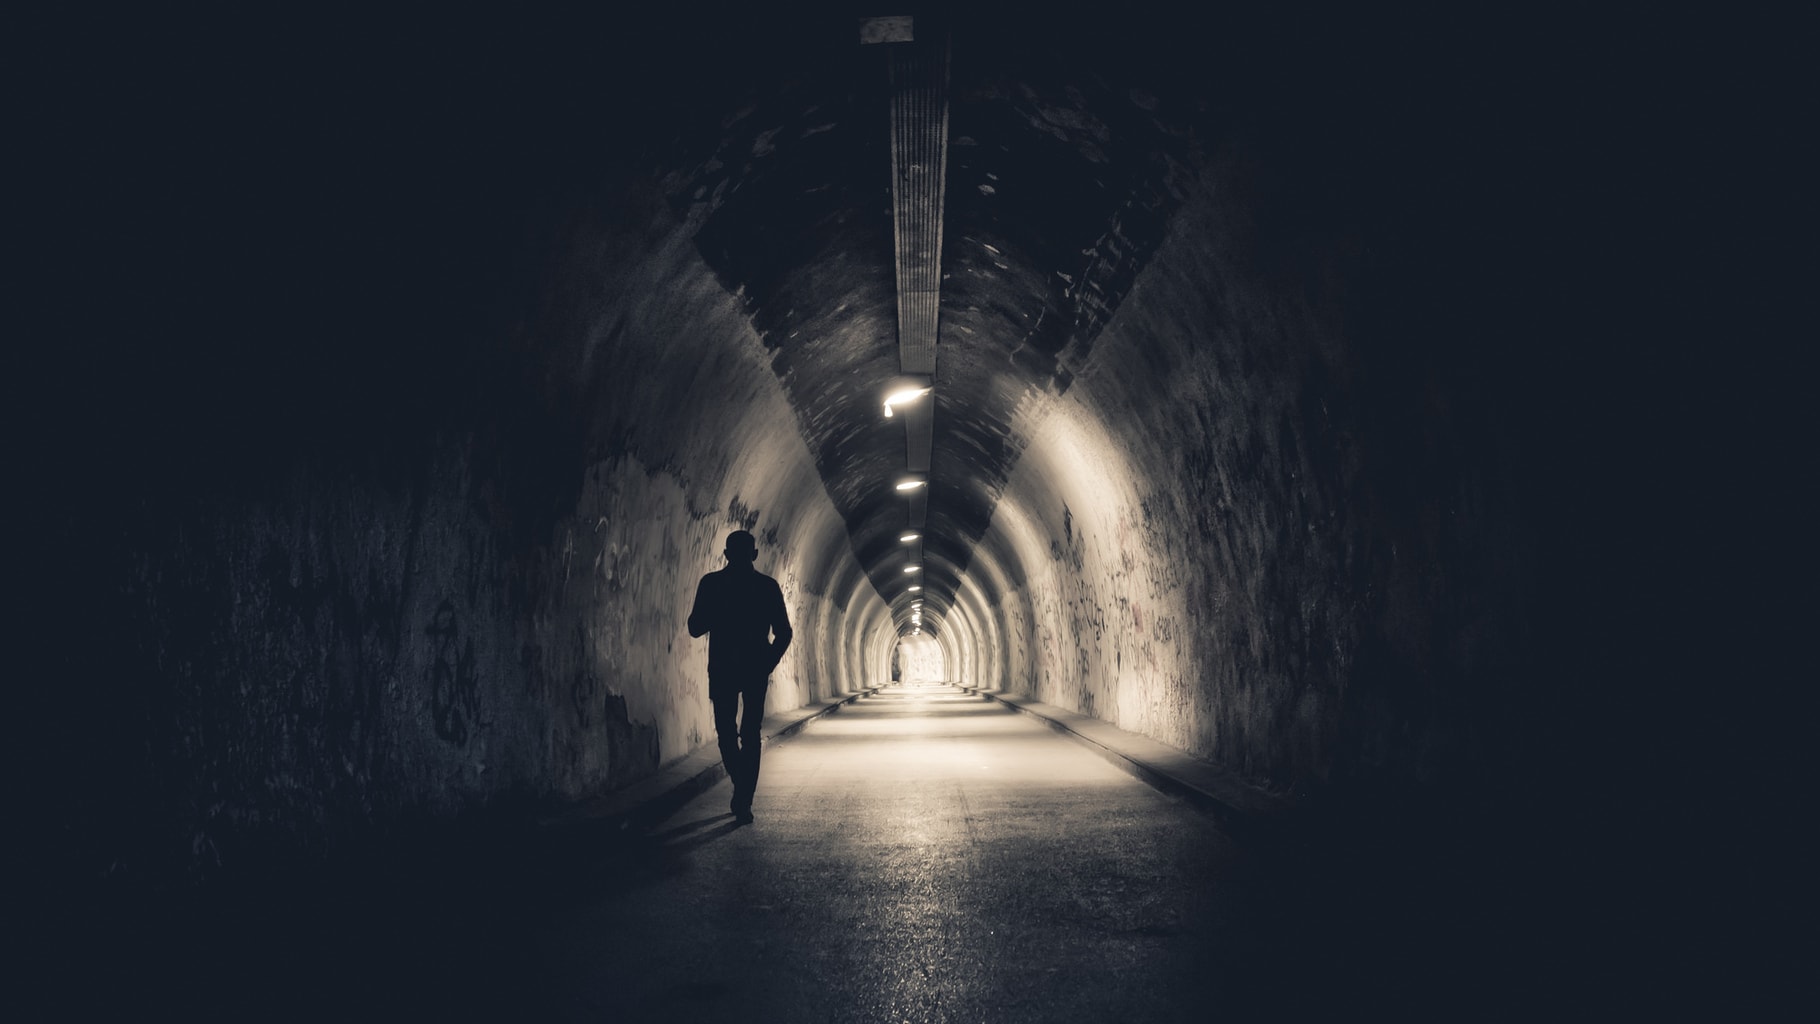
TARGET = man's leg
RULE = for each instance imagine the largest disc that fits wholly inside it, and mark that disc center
(751, 738)
(726, 731)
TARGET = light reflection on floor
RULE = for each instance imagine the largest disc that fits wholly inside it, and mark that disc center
(923, 854)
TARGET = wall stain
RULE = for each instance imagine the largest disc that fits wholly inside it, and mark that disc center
(581, 696)
(454, 683)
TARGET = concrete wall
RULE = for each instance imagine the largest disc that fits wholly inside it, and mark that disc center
(1241, 535)
(380, 415)
(429, 568)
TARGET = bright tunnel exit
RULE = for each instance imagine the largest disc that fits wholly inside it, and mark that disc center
(918, 659)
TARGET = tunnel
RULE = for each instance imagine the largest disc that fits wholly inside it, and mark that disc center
(1278, 388)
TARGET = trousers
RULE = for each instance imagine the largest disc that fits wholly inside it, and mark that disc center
(739, 735)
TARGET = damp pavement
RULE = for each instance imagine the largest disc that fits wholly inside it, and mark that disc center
(920, 854)
(924, 854)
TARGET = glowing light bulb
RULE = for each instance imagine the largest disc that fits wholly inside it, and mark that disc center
(902, 396)
(906, 395)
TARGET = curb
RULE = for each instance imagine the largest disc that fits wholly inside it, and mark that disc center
(653, 799)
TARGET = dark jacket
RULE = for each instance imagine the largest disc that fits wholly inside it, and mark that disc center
(740, 609)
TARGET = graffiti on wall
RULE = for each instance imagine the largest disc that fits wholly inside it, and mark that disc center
(454, 681)
(582, 693)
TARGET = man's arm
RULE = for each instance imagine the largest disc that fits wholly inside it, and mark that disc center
(780, 625)
(701, 617)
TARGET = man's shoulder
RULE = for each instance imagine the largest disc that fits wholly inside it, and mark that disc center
(731, 576)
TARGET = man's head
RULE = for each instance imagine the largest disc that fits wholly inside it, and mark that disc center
(742, 549)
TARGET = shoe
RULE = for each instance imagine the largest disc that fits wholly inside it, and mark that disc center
(743, 817)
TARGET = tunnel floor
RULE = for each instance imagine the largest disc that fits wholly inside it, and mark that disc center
(924, 854)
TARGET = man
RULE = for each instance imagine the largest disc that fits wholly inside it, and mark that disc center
(741, 610)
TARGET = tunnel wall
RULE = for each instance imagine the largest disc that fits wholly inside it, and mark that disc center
(1243, 533)
(979, 632)
(716, 449)
(404, 566)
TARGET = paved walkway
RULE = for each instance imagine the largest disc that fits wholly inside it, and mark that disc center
(924, 854)
(921, 854)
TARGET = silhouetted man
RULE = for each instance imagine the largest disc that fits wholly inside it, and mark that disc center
(741, 609)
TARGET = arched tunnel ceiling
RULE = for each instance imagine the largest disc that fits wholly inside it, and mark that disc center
(1062, 151)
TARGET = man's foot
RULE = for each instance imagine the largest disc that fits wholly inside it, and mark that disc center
(743, 817)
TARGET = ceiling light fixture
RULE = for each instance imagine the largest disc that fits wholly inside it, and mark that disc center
(903, 397)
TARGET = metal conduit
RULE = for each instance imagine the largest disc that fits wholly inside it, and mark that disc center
(918, 70)
(919, 163)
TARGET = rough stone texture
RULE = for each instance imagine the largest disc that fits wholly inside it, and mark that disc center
(1303, 401)
(1216, 554)
(440, 566)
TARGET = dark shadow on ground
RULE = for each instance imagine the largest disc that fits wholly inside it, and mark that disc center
(1410, 912)
(676, 831)
(441, 927)
(699, 839)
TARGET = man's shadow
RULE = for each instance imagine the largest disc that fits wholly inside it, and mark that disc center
(690, 835)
